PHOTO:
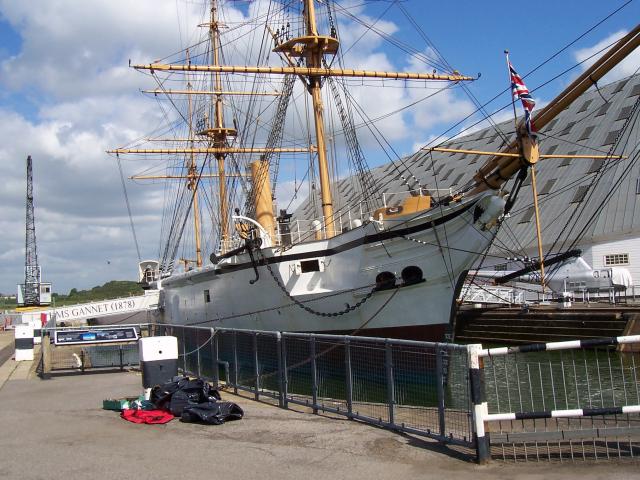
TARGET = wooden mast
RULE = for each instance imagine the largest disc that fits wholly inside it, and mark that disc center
(219, 133)
(193, 179)
(314, 60)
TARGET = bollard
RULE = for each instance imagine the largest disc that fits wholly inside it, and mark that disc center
(23, 343)
(158, 361)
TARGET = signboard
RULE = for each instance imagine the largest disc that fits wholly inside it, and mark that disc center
(95, 335)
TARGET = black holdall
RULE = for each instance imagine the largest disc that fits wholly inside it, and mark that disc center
(182, 391)
(212, 413)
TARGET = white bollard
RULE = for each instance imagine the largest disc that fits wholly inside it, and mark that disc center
(158, 361)
(24, 343)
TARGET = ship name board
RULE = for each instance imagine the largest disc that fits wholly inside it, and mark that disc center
(95, 309)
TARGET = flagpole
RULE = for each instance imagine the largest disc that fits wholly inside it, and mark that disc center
(513, 102)
(534, 187)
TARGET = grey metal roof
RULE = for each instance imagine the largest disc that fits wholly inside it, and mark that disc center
(589, 126)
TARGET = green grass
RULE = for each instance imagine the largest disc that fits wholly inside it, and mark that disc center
(112, 289)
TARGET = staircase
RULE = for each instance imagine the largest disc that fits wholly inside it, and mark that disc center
(540, 324)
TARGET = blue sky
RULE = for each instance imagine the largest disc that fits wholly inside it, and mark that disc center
(67, 95)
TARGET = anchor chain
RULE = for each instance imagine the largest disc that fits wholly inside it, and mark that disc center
(350, 308)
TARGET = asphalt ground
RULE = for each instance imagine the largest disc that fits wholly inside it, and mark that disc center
(56, 429)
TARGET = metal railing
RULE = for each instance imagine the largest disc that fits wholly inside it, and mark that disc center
(414, 387)
(561, 400)
(555, 401)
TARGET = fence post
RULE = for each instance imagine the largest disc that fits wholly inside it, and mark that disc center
(280, 371)
(198, 352)
(82, 360)
(285, 372)
(348, 377)
(45, 347)
(440, 389)
(388, 364)
(214, 356)
(256, 366)
(314, 375)
(184, 353)
(479, 404)
(121, 359)
(235, 362)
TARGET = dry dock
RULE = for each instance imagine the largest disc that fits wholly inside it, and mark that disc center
(55, 429)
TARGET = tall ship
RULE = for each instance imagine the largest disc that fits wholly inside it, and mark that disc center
(380, 263)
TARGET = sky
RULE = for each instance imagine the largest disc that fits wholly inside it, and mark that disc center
(67, 95)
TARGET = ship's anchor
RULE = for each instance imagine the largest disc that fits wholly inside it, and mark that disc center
(250, 245)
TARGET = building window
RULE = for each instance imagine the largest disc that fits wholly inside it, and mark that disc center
(457, 179)
(581, 192)
(587, 133)
(566, 130)
(584, 106)
(437, 170)
(624, 113)
(616, 259)
(635, 91)
(502, 267)
(567, 160)
(602, 110)
(596, 165)
(446, 175)
(548, 186)
(621, 85)
(551, 150)
(207, 296)
(527, 215)
(611, 137)
(551, 125)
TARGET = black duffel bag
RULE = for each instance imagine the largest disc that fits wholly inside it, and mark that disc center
(182, 391)
(212, 413)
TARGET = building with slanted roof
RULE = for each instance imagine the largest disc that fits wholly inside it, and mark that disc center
(586, 203)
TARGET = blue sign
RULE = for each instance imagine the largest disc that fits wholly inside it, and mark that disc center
(94, 335)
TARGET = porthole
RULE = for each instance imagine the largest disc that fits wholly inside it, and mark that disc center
(411, 275)
(385, 280)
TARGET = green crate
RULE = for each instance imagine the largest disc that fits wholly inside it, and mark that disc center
(119, 403)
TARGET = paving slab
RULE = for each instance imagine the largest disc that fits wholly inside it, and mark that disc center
(55, 429)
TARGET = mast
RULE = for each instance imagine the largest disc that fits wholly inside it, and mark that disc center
(534, 186)
(219, 133)
(193, 177)
(314, 60)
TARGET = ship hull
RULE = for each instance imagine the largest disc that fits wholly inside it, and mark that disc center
(340, 295)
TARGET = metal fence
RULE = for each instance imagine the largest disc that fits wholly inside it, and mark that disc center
(563, 400)
(556, 401)
(414, 387)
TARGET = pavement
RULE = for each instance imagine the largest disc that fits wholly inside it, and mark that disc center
(55, 429)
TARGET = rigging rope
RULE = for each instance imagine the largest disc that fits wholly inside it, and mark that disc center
(126, 199)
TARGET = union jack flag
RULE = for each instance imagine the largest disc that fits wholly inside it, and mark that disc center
(521, 92)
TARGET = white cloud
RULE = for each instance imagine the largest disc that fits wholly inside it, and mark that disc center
(627, 67)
